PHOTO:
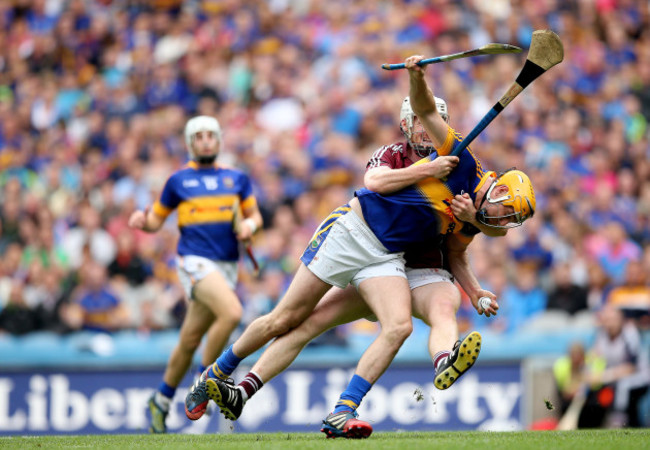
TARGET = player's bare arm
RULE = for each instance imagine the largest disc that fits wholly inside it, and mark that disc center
(251, 224)
(460, 268)
(385, 180)
(423, 102)
(146, 220)
(464, 209)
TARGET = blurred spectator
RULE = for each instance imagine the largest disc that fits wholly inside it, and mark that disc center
(10, 217)
(97, 304)
(615, 392)
(598, 286)
(17, 317)
(633, 296)
(531, 250)
(522, 300)
(87, 233)
(133, 185)
(93, 97)
(45, 250)
(566, 296)
(128, 266)
(572, 371)
(613, 249)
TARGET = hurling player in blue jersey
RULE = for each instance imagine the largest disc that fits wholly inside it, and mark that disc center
(204, 195)
(362, 243)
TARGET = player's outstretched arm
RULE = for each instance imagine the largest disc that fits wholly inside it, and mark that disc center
(423, 102)
(461, 270)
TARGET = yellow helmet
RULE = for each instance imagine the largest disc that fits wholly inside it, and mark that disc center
(520, 196)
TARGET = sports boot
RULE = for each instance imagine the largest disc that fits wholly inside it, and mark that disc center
(158, 416)
(227, 396)
(461, 359)
(345, 424)
(196, 401)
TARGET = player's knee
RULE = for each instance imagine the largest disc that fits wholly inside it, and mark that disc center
(447, 309)
(398, 332)
(233, 315)
(270, 325)
(444, 311)
(290, 319)
(281, 325)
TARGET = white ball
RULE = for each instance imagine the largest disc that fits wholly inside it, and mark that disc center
(484, 302)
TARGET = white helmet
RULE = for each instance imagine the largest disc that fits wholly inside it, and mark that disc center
(201, 123)
(424, 147)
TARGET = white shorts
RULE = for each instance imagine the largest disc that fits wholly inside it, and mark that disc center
(192, 269)
(344, 250)
(421, 277)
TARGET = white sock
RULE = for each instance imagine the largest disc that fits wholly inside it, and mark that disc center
(244, 395)
(440, 357)
(163, 401)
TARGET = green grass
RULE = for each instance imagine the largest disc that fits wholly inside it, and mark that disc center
(556, 440)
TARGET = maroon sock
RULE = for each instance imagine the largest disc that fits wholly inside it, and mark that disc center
(438, 357)
(251, 384)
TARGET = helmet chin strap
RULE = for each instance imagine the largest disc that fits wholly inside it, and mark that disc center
(481, 212)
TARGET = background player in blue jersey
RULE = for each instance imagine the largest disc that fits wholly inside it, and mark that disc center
(362, 243)
(204, 194)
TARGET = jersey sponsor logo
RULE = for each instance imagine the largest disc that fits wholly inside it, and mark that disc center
(206, 209)
(229, 182)
(190, 183)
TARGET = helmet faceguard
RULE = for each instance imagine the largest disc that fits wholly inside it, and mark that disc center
(415, 134)
(196, 125)
(519, 195)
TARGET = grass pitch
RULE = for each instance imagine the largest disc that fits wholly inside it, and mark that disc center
(557, 440)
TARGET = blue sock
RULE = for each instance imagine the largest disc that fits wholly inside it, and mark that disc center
(201, 369)
(224, 365)
(166, 390)
(352, 396)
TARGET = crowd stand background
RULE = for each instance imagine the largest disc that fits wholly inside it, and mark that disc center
(94, 96)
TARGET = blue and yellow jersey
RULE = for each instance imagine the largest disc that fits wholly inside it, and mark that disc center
(421, 212)
(204, 199)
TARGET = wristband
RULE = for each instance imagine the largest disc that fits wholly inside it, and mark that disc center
(251, 224)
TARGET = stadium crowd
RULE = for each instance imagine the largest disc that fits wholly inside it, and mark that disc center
(94, 96)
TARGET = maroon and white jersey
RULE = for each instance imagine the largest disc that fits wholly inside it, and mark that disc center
(433, 254)
(392, 156)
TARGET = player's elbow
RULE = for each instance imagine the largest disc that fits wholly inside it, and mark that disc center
(397, 332)
(424, 108)
(424, 105)
(376, 186)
